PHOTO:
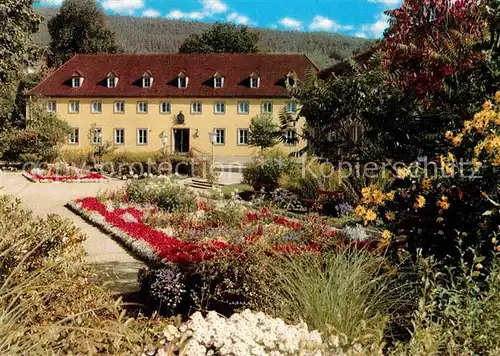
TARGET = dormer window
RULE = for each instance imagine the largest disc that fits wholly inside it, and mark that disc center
(77, 80)
(255, 80)
(182, 80)
(112, 81)
(147, 80)
(218, 80)
(291, 79)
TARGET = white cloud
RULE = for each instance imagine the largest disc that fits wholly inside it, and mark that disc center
(290, 23)
(388, 3)
(376, 29)
(51, 2)
(123, 6)
(213, 6)
(178, 15)
(151, 13)
(360, 34)
(322, 23)
(239, 19)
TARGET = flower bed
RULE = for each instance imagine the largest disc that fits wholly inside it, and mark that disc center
(156, 236)
(50, 176)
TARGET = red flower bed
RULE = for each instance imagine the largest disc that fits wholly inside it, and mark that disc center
(155, 245)
(85, 177)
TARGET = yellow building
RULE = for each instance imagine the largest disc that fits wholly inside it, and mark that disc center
(178, 102)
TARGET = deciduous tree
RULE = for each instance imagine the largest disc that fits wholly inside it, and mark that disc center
(80, 27)
(222, 38)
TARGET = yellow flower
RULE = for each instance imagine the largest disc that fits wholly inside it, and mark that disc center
(426, 184)
(476, 163)
(457, 140)
(420, 202)
(386, 235)
(479, 266)
(497, 96)
(390, 216)
(378, 197)
(449, 135)
(402, 173)
(370, 215)
(439, 220)
(443, 203)
(360, 210)
(390, 196)
(498, 248)
(487, 106)
(365, 193)
(493, 240)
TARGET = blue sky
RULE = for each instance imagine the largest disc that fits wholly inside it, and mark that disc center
(361, 18)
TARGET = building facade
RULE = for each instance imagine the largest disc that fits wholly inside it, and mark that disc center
(175, 102)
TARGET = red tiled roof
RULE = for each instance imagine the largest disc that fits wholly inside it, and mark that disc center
(237, 68)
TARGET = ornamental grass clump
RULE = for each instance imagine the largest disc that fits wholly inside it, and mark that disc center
(350, 293)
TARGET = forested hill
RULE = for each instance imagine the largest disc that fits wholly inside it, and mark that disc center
(146, 35)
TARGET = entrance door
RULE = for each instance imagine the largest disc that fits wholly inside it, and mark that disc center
(181, 140)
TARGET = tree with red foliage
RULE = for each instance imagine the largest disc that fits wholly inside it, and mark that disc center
(432, 45)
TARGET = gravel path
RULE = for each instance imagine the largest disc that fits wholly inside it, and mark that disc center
(114, 264)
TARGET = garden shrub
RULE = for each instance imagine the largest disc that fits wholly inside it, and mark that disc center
(136, 163)
(49, 300)
(164, 193)
(77, 157)
(435, 207)
(266, 168)
(459, 308)
(42, 138)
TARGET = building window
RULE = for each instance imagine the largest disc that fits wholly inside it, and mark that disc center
(96, 107)
(291, 81)
(242, 137)
(146, 82)
(220, 136)
(218, 82)
(220, 108)
(254, 82)
(120, 107)
(76, 82)
(51, 106)
(142, 136)
(243, 107)
(290, 138)
(74, 106)
(196, 107)
(96, 136)
(111, 82)
(291, 107)
(142, 107)
(119, 136)
(182, 82)
(74, 137)
(267, 107)
(164, 107)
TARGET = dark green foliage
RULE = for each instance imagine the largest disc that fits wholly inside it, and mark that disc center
(41, 140)
(145, 35)
(222, 38)
(266, 169)
(80, 27)
(17, 50)
(264, 133)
